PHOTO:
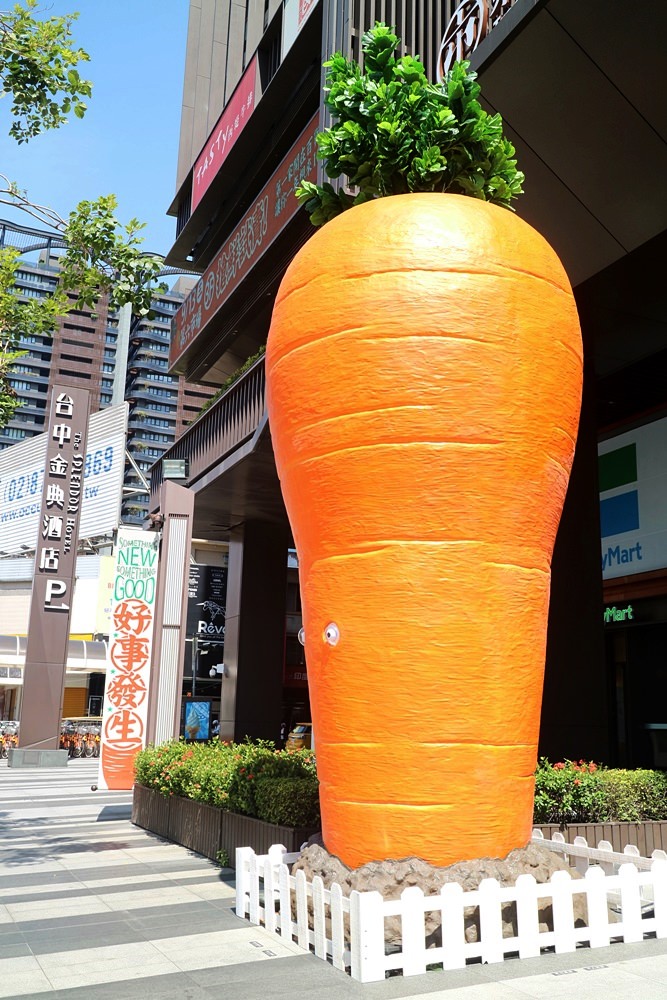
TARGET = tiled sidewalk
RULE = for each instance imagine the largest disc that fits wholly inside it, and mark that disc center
(91, 906)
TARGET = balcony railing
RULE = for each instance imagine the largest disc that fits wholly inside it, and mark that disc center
(222, 428)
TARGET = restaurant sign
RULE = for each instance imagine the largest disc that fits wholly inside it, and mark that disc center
(227, 130)
(469, 25)
(207, 597)
(125, 708)
(55, 565)
(274, 207)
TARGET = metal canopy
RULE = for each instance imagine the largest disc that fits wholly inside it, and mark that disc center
(581, 90)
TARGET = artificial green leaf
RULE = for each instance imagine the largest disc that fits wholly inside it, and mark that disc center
(393, 132)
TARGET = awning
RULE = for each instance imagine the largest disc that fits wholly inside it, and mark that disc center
(83, 657)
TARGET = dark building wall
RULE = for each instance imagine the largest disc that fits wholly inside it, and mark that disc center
(575, 714)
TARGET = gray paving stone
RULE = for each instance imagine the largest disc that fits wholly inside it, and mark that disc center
(14, 950)
(66, 938)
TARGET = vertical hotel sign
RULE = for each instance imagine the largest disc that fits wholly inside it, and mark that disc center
(125, 708)
(55, 569)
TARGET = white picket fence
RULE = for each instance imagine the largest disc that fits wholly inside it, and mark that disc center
(350, 932)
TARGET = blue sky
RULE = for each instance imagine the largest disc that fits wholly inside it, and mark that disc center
(127, 143)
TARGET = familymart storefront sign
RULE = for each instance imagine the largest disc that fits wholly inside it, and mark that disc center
(632, 472)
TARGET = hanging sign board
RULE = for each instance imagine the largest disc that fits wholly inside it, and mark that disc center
(632, 474)
(229, 126)
(266, 218)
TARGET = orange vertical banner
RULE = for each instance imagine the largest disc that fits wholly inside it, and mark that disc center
(125, 708)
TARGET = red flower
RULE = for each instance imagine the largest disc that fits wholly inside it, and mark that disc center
(576, 781)
(559, 767)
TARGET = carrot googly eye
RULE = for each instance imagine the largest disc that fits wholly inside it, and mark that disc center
(302, 636)
(332, 634)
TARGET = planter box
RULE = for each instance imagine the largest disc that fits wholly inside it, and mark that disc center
(207, 830)
(150, 810)
(647, 836)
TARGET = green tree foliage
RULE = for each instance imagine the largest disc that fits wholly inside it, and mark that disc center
(395, 132)
(39, 76)
(38, 70)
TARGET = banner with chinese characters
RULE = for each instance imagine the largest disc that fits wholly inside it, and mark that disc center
(125, 708)
(55, 567)
(266, 218)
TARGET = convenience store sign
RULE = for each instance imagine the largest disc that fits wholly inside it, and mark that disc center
(274, 207)
(632, 472)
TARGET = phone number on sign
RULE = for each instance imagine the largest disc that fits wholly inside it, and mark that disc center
(30, 484)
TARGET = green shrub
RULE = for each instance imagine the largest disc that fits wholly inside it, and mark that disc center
(226, 775)
(584, 792)
(634, 796)
(288, 801)
(569, 792)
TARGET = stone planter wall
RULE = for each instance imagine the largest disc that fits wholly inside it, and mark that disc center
(207, 830)
(647, 836)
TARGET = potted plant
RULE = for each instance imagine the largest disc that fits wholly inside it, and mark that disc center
(424, 370)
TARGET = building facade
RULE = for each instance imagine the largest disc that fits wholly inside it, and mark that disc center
(591, 138)
(116, 359)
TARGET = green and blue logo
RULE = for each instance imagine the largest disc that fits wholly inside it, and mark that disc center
(619, 513)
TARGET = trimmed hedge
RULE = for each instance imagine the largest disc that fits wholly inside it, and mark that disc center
(585, 792)
(280, 786)
(253, 779)
(287, 801)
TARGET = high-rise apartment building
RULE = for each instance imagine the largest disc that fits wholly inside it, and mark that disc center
(116, 359)
(161, 405)
(74, 355)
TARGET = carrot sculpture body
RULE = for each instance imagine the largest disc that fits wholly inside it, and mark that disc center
(424, 371)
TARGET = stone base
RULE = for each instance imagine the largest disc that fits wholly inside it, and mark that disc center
(17, 757)
(391, 877)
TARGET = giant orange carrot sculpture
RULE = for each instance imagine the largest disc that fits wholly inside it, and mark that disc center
(424, 368)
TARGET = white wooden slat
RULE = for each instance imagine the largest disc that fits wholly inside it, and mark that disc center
(319, 921)
(301, 910)
(527, 917)
(413, 931)
(631, 906)
(285, 903)
(453, 926)
(490, 920)
(253, 895)
(563, 912)
(367, 936)
(607, 866)
(270, 920)
(659, 872)
(337, 927)
(242, 880)
(598, 910)
(581, 862)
